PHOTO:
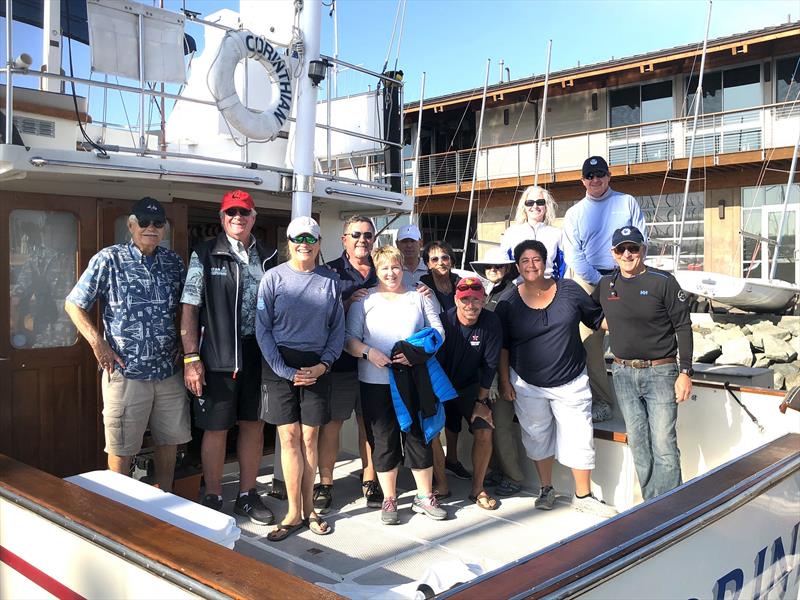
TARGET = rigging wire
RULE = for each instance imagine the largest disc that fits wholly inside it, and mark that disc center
(391, 41)
(400, 36)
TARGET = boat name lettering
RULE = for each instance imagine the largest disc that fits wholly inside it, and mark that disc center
(259, 45)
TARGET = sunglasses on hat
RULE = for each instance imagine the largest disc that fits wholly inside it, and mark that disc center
(145, 223)
(530, 203)
(234, 211)
(303, 238)
(464, 287)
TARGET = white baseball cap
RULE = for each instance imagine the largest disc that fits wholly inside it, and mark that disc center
(409, 232)
(301, 225)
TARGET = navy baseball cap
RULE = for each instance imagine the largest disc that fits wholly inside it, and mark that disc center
(149, 209)
(628, 233)
(594, 164)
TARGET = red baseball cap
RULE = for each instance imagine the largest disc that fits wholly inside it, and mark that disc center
(237, 199)
(470, 286)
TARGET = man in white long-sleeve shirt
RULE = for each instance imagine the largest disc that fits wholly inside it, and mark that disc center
(588, 227)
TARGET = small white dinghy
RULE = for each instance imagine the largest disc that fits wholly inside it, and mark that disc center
(757, 295)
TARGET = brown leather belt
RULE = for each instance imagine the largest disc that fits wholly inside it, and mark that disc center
(644, 364)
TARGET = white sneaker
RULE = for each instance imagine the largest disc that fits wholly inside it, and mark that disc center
(593, 506)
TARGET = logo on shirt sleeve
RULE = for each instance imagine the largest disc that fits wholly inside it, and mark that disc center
(260, 304)
(682, 296)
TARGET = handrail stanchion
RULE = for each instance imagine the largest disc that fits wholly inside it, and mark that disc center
(9, 83)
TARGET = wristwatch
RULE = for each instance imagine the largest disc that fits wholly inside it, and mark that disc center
(484, 401)
(688, 371)
(327, 367)
(365, 353)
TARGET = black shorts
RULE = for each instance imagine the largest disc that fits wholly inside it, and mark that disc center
(461, 408)
(288, 403)
(226, 400)
(390, 446)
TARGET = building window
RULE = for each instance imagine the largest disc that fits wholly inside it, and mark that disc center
(731, 89)
(762, 212)
(663, 217)
(43, 248)
(641, 104)
(787, 79)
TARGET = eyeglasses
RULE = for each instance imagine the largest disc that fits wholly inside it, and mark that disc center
(368, 235)
(145, 223)
(463, 287)
(596, 175)
(303, 238)
(530, 203)
(632, 248)
(495, 267)
(242, 212)
(442, 257)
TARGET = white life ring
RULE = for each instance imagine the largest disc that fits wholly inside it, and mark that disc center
(257, 125)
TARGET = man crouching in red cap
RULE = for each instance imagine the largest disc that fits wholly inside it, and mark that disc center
(469, 357)
(222, 367)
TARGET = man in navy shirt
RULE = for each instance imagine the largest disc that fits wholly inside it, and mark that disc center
(139, 284)
(472, 342)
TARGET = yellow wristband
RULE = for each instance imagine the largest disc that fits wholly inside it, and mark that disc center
(190, 359)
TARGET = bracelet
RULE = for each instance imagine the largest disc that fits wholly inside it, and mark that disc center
(484, 401)
(191, 359)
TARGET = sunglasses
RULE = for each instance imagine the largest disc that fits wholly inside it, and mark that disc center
(495, 267)
(596, 175)
(241, 212)
(145, 223)
(632, 248)
(477, 287)
(303, 238)
(368, 235)
(530, 203)
(442, 257)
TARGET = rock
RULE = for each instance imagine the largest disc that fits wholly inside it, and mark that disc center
(720, 336)
(778, 380)
(769, 330)
(791, 324)
(778, 350)
(783, 373)
(756, 342)
(795, 344)
(761, 361)
(705, 350)
(736, 352)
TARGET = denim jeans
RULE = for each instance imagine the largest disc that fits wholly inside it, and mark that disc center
(646, 398)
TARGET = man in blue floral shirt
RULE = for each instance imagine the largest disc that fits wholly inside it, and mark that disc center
(139, 284)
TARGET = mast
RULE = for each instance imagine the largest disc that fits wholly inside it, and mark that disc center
(544, 116)
(786, 197)
(415, 175)
(698, 98)
(475, 164)
(9, 83)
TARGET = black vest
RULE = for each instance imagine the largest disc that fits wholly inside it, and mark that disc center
(220, 314)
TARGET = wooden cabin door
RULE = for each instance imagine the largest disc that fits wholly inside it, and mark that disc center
(49, 401)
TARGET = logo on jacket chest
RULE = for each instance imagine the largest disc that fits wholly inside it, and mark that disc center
(219, 271)
(474, 340)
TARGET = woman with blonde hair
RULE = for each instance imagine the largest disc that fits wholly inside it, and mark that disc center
(536, 212)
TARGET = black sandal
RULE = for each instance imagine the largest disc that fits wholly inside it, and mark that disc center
(323, 497)
(318, 525)
(282, 531)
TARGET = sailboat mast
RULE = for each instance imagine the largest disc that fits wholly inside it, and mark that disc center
(786, 197)
(698, 99)
(544, 116)
(475, 164)
(415, 177)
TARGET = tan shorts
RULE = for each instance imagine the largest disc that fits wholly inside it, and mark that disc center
(130, 404)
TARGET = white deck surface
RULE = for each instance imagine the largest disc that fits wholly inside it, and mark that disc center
(363, 551)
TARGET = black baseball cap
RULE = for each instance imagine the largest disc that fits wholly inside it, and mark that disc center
(628, 233)
(149, 209)
(594, 164)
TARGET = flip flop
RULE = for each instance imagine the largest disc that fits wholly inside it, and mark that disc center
(317, 525)
(485, 501)
(283, 530)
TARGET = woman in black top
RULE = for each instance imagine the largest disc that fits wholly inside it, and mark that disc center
(543, 371)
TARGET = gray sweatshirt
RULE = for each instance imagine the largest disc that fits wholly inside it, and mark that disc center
(381, 323)
(301, 311)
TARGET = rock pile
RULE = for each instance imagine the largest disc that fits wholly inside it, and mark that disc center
(751, 341)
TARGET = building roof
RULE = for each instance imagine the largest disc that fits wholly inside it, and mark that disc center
(791, 28)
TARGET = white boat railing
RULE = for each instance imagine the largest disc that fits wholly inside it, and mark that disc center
(759, 128)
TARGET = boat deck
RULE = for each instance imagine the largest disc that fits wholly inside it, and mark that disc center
(362, 551)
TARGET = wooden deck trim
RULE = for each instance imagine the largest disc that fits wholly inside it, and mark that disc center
(609, 538)
(208, 563)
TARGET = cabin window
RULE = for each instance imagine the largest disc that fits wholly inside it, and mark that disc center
(43, 250)
(663, 217)
(122, 234)
(787, 78)
(641, 104)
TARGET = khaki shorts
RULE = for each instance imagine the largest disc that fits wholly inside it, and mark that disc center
(129, 405)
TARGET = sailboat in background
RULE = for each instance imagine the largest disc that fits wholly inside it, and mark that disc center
(765, 295)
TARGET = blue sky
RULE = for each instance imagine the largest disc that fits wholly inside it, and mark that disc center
(451, 39)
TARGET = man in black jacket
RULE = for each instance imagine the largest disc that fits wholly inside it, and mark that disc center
(222, 360)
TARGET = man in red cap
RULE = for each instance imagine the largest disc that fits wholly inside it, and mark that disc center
(222, 361)
(469, 357)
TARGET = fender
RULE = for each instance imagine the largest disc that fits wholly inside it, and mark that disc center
(237, 46)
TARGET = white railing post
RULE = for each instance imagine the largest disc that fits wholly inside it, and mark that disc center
(9, 77)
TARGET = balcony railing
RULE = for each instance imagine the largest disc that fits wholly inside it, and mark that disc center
(771, 126)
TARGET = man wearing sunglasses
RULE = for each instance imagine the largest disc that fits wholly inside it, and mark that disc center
(356, 276)
(588, 226)
(139, 284)
(648, 321)
(222, 360)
